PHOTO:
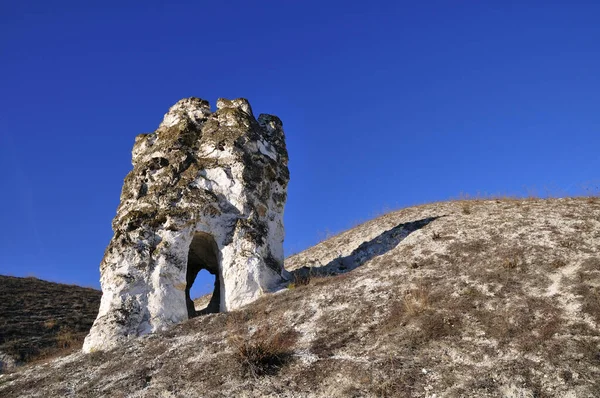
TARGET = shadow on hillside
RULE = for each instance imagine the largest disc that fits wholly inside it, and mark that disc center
(377, 246)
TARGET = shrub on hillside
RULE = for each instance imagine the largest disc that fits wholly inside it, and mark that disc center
(265, 352)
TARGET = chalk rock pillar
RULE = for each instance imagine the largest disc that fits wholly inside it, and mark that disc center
(207, 191)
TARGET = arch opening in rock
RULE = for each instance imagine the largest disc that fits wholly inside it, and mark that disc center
(224, 173)
(203, 255)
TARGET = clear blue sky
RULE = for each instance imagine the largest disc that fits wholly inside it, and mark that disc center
(385, 104)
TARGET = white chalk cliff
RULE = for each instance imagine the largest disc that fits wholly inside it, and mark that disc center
(207, 191)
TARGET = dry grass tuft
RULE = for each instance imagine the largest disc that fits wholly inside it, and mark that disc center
(558, 263)
(416, 301)
(301, 279)
(513, 262)
(567, 244)
(50, 323)
(590, 300)
(265, 352)
(66, 339)
(466, 208)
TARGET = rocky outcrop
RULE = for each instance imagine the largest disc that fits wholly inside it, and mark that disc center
(207, 191)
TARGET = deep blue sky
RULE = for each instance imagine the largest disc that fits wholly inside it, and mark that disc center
(385, 104)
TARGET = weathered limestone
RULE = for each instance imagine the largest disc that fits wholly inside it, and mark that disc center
(207, 191)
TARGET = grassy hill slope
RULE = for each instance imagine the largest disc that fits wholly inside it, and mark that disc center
(489, 298)
(40, 319)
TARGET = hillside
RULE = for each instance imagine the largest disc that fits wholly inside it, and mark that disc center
(482, 298)
(40, 319)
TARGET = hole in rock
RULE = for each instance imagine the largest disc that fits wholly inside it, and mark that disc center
(202, 289)
(203, 261)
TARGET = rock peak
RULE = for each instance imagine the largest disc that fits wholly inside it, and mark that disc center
(239, 103)
(194, 109)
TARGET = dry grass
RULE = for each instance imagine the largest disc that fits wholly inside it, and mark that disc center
(265, 352)
(587, 287)
(422, 315)
(67, 339)
(512, 262)
(395, 377)
(301, 279)
(496, 305)
(41, 320)
(416, 301)
(590, 300)
(50, 323)
(558, 263)
(466, 208)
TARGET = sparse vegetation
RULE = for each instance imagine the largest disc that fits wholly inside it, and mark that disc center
(495, 306)
(265, 352)
(416, 301)
(300, 279)
(512, 262)
(66, 339)
(558, 263)
(466, 208)
(41, 320)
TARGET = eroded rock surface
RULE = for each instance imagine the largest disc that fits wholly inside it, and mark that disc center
(207, 191)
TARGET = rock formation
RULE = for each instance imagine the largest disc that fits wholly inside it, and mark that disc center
(207, 191)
